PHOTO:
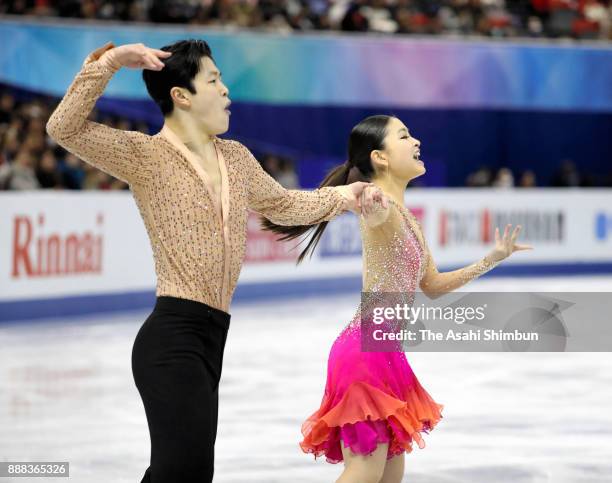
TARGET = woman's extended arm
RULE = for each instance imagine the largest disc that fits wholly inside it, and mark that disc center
(435, 284)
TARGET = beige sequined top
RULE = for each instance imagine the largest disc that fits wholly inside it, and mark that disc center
(397, 258)
(397, 263)
(198, 246)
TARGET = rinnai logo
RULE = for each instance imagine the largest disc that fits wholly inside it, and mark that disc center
(478, 227)
(36, 254)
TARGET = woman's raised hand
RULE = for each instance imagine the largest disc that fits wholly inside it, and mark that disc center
(506, 246)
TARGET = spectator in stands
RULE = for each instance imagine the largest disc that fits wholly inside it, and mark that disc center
(281, 170)
(354, 19)
(19, 175)
(47, 171)
(287, 176)
(7, 105)
(271, 164)
(601, 16)
(567, 175)
(379, 17)
(480, 178)
(12, 138)
(528, 179)
(72, 172)
(504, 178)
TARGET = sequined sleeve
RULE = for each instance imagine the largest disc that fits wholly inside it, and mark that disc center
(290, 207)
(117, 152)
(435, 284)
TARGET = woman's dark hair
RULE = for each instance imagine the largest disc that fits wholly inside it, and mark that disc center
(179, 71)
(367, 136)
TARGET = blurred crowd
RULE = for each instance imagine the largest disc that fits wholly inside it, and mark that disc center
(580, 19)
(567, 175)
(29, 159)
(281, 168)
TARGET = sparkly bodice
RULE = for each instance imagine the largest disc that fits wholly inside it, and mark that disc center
(394, 257)
(198, 238)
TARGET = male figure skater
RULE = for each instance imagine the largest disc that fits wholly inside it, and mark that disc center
(193, 190)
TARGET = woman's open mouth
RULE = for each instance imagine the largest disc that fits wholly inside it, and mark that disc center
(417, 156)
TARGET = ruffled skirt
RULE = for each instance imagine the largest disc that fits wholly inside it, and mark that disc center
(370, 398)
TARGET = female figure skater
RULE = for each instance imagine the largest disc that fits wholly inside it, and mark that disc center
(374, 406)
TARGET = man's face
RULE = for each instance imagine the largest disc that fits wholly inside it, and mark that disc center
(209, 105)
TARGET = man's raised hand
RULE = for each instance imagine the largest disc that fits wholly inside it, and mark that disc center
(138, 56)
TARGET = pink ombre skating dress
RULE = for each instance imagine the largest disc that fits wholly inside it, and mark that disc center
(375, 397)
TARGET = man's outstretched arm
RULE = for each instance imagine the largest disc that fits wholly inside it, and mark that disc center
(295, 207)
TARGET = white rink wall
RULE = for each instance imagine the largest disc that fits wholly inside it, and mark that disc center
(81, 252)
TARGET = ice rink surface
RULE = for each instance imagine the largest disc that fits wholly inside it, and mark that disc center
(67, 394)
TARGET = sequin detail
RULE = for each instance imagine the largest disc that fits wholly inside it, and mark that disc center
(396, 257)
(197, 256)
(373, 398)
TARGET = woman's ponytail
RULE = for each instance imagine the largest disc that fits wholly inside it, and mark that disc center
(367, 136)
(338, 176)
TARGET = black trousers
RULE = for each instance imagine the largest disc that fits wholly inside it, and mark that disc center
(176, 363)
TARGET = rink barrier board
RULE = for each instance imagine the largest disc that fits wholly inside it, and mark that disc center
(571, 231)
(81, 305)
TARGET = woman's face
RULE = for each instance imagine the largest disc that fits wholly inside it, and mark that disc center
(400, 155)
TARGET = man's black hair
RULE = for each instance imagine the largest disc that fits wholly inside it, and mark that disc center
(179, 71)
